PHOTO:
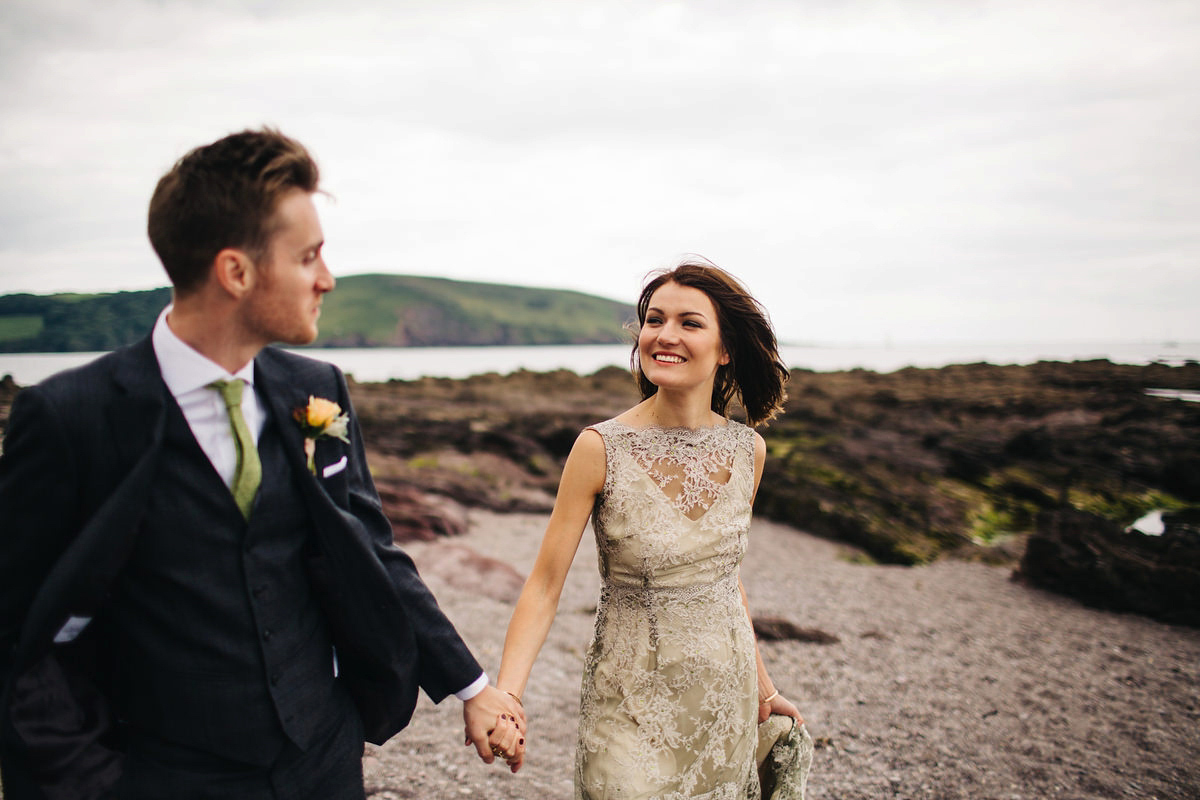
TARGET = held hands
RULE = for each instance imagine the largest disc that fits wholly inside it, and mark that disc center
(507, 741)
(495, 724)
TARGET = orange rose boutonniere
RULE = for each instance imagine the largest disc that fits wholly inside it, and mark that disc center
(319, 418)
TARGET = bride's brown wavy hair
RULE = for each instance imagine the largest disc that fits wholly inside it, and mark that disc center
(755, 374)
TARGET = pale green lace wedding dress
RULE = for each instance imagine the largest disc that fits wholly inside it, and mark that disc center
(669, 688)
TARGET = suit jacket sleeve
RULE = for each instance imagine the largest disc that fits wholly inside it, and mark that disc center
(446, 664)
(38, 509)
(59, 752)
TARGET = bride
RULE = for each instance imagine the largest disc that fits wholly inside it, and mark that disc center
(673, 688)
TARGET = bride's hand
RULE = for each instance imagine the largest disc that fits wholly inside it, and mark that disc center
(507, 741)
(779, 705)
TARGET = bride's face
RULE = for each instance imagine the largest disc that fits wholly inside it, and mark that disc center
(679, 344)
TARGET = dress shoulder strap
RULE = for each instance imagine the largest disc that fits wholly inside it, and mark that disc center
(615, 436)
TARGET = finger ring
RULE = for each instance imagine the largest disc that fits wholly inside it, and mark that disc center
(499, 751)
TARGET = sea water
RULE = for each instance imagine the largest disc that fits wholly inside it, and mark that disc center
(409, 363)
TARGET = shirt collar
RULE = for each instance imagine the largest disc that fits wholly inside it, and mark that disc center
(185, 369)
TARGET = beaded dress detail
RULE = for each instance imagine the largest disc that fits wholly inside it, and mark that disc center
(668, 707)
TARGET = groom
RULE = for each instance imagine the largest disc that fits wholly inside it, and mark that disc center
(199, 594)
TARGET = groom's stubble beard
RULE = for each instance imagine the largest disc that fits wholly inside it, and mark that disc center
(274, 314)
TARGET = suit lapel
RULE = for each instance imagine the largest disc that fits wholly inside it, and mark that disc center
(286, 385)
(138, 408)
(283, 397)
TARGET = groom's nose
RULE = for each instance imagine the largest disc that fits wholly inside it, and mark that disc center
(325, 279)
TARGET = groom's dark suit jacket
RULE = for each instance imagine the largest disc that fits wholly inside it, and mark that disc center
(82, 479)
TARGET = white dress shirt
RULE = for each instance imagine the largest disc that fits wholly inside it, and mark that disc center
(188, 374)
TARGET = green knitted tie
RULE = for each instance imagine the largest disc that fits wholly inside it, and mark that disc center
(248, 474)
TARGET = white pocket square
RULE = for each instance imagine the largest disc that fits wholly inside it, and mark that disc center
(72, 628)
(334, 468)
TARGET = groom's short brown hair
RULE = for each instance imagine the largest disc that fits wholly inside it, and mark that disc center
(224, 195)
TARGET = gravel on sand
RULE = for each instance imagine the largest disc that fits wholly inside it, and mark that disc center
(947, 680)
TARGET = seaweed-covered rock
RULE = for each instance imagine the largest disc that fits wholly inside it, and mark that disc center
(1089, 558)
(918, 462)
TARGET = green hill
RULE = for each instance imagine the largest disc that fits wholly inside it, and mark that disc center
(364, 311)
(408, 310)
(61, 323)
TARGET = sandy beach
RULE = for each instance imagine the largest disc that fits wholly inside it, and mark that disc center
(948, 680)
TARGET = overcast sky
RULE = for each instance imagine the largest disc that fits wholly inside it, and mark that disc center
(912, 171)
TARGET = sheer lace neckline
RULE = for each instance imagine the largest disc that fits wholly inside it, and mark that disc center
(690, 466)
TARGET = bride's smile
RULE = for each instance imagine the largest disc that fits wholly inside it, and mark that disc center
(679, 344)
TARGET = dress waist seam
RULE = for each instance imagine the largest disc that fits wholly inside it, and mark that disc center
(645, 589)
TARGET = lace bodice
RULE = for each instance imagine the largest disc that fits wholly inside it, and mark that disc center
(675, 507)
(668, 707)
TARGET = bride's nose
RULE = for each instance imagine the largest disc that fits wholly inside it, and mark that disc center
(668, 334)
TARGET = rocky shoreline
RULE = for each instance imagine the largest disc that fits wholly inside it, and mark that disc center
(909, 466)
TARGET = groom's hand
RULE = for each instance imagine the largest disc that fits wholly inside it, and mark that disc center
(495, 718)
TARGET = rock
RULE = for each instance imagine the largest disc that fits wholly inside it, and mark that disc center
(420, 516)
(777, 629)
(1184, 524)
(1093, 560)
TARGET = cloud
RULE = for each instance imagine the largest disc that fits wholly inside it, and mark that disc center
(914, 170)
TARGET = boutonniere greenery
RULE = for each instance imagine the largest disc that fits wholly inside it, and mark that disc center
(318, 419)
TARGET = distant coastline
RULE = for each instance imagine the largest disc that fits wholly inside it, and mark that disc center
(372, 365)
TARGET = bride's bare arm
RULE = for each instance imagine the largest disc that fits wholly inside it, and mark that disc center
(777, 703)
(770, 701)
(582, 480)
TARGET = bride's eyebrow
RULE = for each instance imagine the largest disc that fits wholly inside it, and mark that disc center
(657, 310)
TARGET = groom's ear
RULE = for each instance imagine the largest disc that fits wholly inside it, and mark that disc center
(234, 271)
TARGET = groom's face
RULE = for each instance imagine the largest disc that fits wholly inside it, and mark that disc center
(292, 278)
